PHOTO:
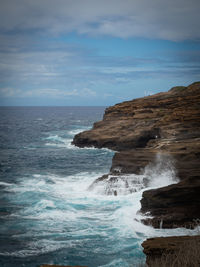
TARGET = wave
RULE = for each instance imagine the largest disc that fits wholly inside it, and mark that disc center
(55, 138)
(62, 213)
(117, 263)
(159, 173)
(66, 200)
(37, 248)
(60, 142)
(77, 131)
(66, 142)
(5, 184)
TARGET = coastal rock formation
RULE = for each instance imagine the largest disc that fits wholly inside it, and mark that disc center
(167, 124)
(172, 251)
(134, 124)
(174, 205)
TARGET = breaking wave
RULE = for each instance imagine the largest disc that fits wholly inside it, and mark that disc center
(161, 172)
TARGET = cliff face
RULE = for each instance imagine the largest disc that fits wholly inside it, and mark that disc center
(175, 205)
(166, 117)
(166, 123)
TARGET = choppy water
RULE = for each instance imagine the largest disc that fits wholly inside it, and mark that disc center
(47, 213)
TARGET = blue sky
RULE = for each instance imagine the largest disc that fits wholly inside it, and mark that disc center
(89, 52)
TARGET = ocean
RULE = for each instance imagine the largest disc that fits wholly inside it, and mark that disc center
(48, 215)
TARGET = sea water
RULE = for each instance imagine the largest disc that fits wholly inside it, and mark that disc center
(48, 212)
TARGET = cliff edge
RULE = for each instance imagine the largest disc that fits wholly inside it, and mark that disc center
(166, 123)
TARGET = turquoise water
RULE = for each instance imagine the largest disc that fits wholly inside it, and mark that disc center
(48, 214)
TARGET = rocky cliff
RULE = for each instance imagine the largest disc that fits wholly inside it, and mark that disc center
(166, 123)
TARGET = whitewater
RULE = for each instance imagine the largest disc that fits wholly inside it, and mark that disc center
(50, 213)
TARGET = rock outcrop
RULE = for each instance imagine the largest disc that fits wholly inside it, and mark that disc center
(166, 123)
(175, 205)
(144, 122)
(172, 251)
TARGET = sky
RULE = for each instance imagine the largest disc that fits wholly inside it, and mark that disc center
(95, 52)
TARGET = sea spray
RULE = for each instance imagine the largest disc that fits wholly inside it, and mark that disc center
(159, 173)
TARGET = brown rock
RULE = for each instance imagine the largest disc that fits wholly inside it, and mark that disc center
(166, 123)
(172, 251)
(176, 205)
(170, 116)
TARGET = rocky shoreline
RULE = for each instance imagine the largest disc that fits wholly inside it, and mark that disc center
(167, 124)
(172, 251)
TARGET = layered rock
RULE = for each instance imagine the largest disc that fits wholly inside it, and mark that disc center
(176, 205)
(169, 117)
(166, 123)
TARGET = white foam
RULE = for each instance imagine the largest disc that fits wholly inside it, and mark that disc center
(116, 263)
(120, 184)
(42, 204)
(5, 184)
(39, 247)
(64, 205)
(128, 190)
(60, 142)
(161, 172)
(55, 138)
(77, 131)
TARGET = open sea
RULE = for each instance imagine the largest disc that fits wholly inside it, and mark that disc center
(47, 213)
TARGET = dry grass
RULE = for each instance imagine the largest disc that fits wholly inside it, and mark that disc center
(188, 255)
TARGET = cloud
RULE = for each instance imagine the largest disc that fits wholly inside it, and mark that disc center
(10, 92)
(49, 93)
(86, 92)
(169, 20)
(46, 93)
(60, 66)
(44, 64)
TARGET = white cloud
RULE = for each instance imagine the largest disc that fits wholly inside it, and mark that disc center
(86, 92)
(106, 95)
(169, 20)
(10, 92)
(47, 93)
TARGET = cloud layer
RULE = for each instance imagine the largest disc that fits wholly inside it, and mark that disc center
(174, 20)
(89, 52)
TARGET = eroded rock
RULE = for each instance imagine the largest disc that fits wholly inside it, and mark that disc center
(176, 205)
(167, 124)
